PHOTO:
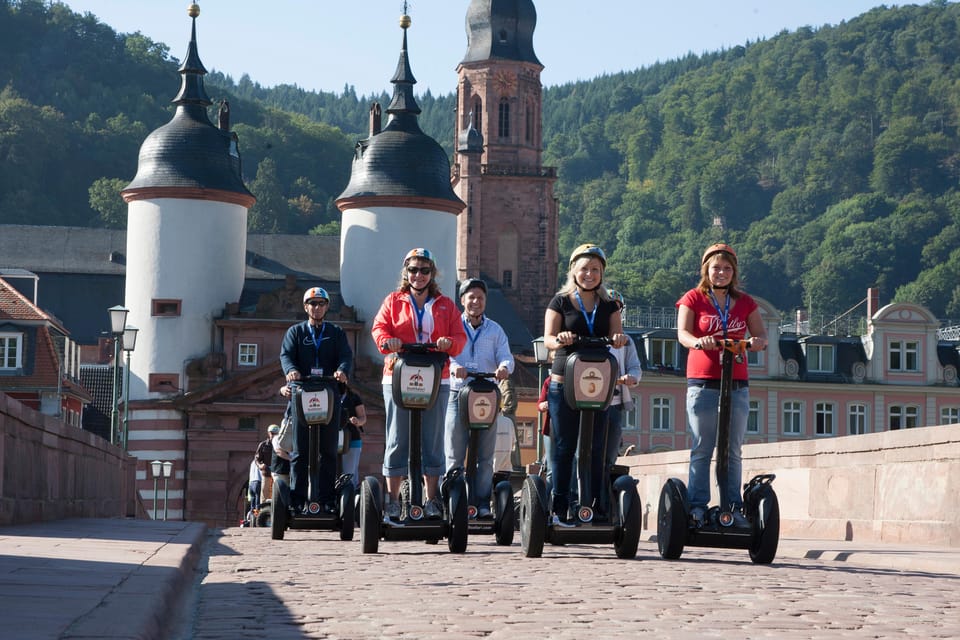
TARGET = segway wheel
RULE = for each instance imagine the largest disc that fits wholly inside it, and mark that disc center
(457, 536)
(278, 507)
(533, 517)
(263, 518)
(370, 516)
(504, 525)
(766, 527)
(628, 535)
(672, 520)
(346, 506)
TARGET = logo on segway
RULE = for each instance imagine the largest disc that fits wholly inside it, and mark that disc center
(725, 519)
(416, 513)
(591, 382)
(482, 408)
(585, 514)
(313, 508)
(471, 512)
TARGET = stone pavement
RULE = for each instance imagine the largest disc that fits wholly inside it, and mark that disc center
(97, 578)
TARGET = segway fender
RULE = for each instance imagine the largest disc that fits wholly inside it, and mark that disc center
(453, 488)
(623, 488)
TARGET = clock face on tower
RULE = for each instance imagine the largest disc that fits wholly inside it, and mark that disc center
(504, 82)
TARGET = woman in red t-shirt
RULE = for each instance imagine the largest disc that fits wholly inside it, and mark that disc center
(713, 310)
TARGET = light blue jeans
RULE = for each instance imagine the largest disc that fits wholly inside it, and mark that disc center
(456, 439)
(702, 406)
(397, 446)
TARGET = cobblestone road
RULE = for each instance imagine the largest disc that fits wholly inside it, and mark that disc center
(312, 585)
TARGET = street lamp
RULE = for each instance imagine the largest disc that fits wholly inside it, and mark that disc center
(118, 322)
(167, 470)
(156, 467)
(542, 355)
(129, 343)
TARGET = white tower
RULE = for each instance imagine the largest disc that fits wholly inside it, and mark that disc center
(399, 198)
(186, 235)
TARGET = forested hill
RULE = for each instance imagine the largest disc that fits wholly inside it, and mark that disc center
(827, 156)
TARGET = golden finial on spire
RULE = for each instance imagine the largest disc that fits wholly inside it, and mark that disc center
(405, 19)
(193, 10)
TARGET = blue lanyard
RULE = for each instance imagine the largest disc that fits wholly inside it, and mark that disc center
(472, 334)
(725, 314)
(419, 313)
(316, 342)
(588, 317)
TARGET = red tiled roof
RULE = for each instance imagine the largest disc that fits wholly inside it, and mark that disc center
(14, 306)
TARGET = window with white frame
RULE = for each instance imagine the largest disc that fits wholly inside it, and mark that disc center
(247, 354)
(792, 418)
(820, 358)
(903, 417)
(11, 350)
(949, 415)
(661, 414)
(663, 352)
(753, 417)
(904, 355)
(631, 418)
(754, 358)
(823, 418)
(856, 419)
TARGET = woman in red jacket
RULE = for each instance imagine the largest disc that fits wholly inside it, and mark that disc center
(416, 312)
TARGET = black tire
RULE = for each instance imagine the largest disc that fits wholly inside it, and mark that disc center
(346, 506)
(505, 524)
(766, 527)
(628, 538)
(370, 515)
(278, 507)
(457, 537)
(264, 516)
(672, 520)
(533, 518)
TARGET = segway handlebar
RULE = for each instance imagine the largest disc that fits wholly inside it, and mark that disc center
(481, 374)
(311, 378)
(594, 341)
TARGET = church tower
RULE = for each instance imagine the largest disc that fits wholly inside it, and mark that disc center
(508, 232)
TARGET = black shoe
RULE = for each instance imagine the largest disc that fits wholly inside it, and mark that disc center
(329, 507)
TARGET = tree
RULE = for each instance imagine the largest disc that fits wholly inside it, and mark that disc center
(106, 200)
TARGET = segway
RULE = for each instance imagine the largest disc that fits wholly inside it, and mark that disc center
(479, 406)
(416, 384)
(315, 404)
(676, 528)
(590, 378)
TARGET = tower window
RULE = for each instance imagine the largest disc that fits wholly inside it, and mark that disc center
(503, 128)
(166, 308)
(507, 279)
(503, 36)
(477, 114)
(529, 118)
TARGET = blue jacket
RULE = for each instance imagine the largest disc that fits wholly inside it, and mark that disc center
(300, 352)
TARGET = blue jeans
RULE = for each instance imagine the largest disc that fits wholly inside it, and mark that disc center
(397, 446)
(702, 406)
(565, 434)
(456, 439)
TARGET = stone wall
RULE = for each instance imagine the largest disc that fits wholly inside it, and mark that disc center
(896, 486)
(50, 470)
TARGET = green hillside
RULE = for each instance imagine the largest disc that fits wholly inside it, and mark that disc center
(828, 157)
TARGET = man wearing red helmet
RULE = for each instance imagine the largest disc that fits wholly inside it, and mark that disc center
(714, 310)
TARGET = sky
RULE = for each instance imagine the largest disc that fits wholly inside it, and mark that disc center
(324, 45)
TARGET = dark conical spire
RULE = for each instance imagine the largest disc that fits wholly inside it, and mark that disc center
(192, 69)
(403, 80)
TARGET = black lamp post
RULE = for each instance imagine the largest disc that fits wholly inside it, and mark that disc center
(129, 343)
(156, 467)
(118, 323)
(167, 471)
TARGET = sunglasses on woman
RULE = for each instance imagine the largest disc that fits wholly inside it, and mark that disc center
(421, 270)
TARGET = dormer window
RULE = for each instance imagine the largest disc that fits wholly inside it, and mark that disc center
(663, 352)
(11, 351)
(820, 358)
(904, 355)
